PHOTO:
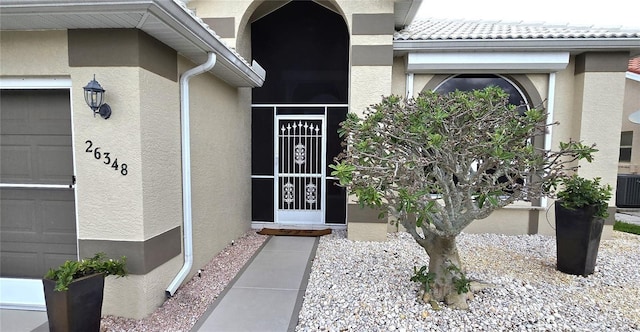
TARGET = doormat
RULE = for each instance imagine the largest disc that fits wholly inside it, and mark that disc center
(294, 232)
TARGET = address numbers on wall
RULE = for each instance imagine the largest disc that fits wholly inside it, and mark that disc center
(106, 158)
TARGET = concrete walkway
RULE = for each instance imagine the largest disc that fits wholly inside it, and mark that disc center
(267, 294)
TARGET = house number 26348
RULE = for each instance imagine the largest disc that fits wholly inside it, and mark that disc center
(106, 158)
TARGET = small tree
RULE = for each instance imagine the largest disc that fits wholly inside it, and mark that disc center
(438, 162)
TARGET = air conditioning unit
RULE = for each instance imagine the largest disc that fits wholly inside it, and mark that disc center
(628, 191)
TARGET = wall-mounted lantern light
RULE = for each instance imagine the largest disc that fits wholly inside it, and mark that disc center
(94, 96)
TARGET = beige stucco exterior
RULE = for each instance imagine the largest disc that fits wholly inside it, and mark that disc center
(137, 296)
(109, 205)
(600, 107)
(143, 132)
(160, 153)
(221, 168)
(115, 208)
(46, 51)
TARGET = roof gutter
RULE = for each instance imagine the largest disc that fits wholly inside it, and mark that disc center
(187, 222)
(557, 44)
(193, 29)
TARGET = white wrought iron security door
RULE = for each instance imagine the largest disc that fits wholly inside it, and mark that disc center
(300, 168)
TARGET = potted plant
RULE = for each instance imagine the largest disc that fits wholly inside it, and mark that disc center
(580, 212)
(74, 291)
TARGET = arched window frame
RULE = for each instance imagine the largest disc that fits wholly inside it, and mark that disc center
(522, 94)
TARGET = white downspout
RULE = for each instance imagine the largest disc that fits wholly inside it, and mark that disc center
(187, 223)
(409, 85)
(551, 96)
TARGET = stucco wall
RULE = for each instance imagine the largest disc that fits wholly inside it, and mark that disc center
(508, 221)
(601, 122)
(117, 210)
(161, 153)
(398, 77)
(143, 133)
(221, 164)
(46, 52)
(368, 86)
(109, 204)
(137, 296)
(564, 105)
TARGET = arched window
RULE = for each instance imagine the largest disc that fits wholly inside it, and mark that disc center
(468, 82)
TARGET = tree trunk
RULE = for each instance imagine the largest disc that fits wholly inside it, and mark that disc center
(444, 263)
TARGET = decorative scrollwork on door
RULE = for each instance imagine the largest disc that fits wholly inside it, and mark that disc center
(300, 154)
(288, 192)
(310, 193)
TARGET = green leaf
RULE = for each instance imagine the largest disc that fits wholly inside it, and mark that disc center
(481, 199)
(343, 171)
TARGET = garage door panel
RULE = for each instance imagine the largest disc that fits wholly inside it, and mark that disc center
(16, 163)
(14, 119)
(39, 112)
(24, 260)
(25, 208)
(38, 231)
(20, 264)
(59, 217)
(52, 114)
(50, 168)
(32, 214)
(36, 159)
(37, 250)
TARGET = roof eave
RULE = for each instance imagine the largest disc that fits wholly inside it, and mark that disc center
(180, 20)
(573, 45)
(170, 13)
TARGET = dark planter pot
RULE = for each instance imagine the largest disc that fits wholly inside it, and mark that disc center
(77, 309)
(578, 235)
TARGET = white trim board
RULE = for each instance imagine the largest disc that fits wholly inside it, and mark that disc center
(489, 62)
(35, 83)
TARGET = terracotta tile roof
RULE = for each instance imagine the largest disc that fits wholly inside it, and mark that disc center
(443, 29)
(634, 65)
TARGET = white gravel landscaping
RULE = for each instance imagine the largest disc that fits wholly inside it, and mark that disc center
(364, 286)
